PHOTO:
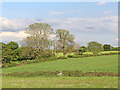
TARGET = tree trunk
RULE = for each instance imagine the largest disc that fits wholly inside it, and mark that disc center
(64, 53)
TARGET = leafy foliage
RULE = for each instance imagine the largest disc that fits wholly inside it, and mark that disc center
(95, 47)
(38, 37)
(107, 47)
(12, 45)
(66, 40)
(81, 50)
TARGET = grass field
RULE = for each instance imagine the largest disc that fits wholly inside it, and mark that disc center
(60, 82)
(98, 63)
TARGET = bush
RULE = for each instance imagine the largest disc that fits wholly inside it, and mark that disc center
(51, 58)
(12, 63)
(88, 55)
(71, 56)
(43, 59)
(3, 65)
(23, 61)
(79, 56)
(35, 61)
(62, 57)
(110, 53)
(28, 61)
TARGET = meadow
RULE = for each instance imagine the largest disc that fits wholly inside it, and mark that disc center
(60, 82)
(87, 64)
(97, 63)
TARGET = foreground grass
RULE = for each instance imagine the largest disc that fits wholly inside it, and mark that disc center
(99, 64)
(60, 82)
(87, 64)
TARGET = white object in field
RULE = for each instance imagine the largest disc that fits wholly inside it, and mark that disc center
(60, 74)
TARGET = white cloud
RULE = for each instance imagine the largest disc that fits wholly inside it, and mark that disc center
(107, 12)
(12, 36)
(101, 3)
(87, 25)
(56, 13)
(103, 24)
(74, 25)
(15, 24)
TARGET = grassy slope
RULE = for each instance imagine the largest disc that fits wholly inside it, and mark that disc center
(99, 63)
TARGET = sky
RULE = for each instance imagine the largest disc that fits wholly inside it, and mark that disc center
(87, 21)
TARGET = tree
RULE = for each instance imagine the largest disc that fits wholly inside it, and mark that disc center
(6, 53)
(12, 45)
(95, 47)
(28, 53)
(115, 49)
(107, 47)
(17, 54)
(38, 36)
(82, 49)
(65, 39)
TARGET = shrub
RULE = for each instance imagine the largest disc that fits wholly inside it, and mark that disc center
(43, 59)
(118, 52)
(12, 63)
(71, 56)
(9, 64)
(110, 53)
(3, 65)
(23, 61)
(51, 58)
(79, 56)
(62, 57)
(28, 61)
(88, 55)
(35, 61)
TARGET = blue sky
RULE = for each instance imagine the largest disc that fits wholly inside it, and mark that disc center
(42, 9)
(87, 21)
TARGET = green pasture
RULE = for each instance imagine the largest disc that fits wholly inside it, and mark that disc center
(60, 82)
(107, 63)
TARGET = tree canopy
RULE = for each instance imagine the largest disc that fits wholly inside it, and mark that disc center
(38, 36)
(65, 39)
(95, 47)
(12, 45)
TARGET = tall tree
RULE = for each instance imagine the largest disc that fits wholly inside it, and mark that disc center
(38, 36)
(107, 47)
(65, 39)
(12, 45)
(95, 47)
(6, 53)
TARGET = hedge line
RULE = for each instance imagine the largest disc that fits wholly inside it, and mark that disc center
(89, 55)
(60, 73)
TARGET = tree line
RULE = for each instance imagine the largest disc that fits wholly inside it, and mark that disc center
(38, 44)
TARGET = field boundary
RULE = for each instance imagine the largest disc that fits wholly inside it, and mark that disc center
(61, 73)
